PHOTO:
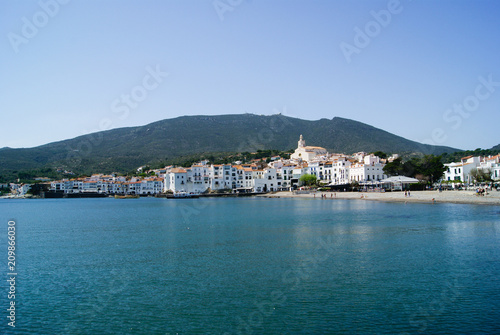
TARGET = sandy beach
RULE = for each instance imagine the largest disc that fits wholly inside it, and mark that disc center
(458, 197)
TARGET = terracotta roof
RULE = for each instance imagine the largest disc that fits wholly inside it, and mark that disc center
(493, 157)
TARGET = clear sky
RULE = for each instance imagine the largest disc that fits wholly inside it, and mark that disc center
(425, 70)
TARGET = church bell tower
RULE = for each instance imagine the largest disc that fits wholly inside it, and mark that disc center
(302, 143)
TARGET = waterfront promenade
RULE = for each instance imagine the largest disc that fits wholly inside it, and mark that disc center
(458, 197)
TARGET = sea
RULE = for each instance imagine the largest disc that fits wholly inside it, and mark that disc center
(249, 266)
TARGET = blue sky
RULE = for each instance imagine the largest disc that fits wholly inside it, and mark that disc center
(425, 70)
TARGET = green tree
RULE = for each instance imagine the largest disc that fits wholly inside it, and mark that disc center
(412, 167)
(308, 179)
(394, 168)
(428, 168)
(380, 154)
(481, 175)
(432, 167)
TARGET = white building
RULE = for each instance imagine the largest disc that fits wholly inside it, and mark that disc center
(492, 165)
(268, 180)
(150, 186)
(176, 180)
(370, 169)
(307, 153)
(299, 171)
(340, 171)
(460, 171)
(198, 178)
(20, 189)
(245, 180)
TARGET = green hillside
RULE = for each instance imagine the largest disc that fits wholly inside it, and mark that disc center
(124, 149)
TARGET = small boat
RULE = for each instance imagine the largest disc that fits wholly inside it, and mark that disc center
(127, 196)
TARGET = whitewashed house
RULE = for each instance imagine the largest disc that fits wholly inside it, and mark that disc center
(340, 171)
(176, 180)
(150, 186)
(286, 174)
(266, 180)
(198, 178)
(492, 165)
(460, 171)
(244, 181)
(369, 170)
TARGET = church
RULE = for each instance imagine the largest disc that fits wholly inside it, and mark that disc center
(307, 153)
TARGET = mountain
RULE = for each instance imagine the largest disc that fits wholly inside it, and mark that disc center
(496, 148)
(123, 149)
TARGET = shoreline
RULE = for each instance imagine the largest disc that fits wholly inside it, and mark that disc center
(429, 197)
(454, 197)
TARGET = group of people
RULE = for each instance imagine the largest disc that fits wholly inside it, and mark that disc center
(480, 191)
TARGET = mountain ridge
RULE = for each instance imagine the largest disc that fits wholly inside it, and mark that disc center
(125, 148)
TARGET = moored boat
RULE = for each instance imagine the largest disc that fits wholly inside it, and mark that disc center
(127, 196)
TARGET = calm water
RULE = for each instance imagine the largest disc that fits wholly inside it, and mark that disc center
(252, 266)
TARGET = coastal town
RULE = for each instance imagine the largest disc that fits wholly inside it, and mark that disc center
(279, 174)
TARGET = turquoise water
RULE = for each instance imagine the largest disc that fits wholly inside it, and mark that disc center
(252, 266)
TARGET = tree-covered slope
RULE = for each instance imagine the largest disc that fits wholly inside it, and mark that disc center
(123, 149)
